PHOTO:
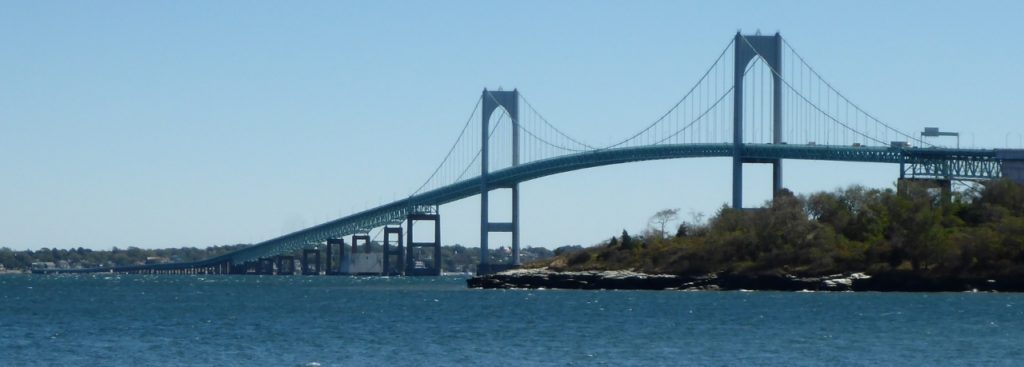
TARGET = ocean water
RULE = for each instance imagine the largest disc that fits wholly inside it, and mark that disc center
(139, 320)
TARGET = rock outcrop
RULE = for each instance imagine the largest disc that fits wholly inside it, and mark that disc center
(624, 279)
(545, 278)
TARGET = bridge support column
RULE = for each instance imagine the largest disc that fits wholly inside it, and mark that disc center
(777, 177)
(769, 49)
(491, 100)
(311, 268)
(285, 265)
(397, 251)
(327, 258)
(350, 267)
(265, 266)
(356, 238)
(240, 269)
(737, 179)
(945, 186)
(341, 255)
(412, 244)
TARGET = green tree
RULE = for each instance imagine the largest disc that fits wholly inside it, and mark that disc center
(627, 241)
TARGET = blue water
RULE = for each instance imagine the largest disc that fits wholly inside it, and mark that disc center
(137, 320)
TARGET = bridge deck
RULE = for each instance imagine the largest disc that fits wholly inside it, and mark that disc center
(931, 162)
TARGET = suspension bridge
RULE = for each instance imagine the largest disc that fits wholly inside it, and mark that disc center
(759, 102)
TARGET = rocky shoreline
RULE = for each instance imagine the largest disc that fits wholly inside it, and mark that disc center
(629, 280)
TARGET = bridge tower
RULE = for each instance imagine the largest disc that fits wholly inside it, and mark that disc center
(769, 48)
(491, 100)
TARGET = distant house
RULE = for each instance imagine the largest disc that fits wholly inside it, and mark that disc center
(156, 260)
(43, 267)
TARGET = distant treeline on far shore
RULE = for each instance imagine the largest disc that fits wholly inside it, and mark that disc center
(455, 258)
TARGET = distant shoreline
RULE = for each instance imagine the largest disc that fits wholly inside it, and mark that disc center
(629, 280)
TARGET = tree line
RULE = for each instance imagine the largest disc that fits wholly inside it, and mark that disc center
(454, 258)
(87, 258)
(918, 228)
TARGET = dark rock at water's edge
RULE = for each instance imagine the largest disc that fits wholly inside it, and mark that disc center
(544, 278)
(911, 282)
(621, 279)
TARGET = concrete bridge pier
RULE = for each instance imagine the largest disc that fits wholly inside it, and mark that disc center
(310, 268)
(343, 257)
(356, 239)
(265, 266)
(327, 258)
(340, 242)
(390, 250)
(410, 258)
(241, 269)
(348, 264)
(285, 265)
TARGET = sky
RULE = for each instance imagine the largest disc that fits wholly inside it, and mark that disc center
(196, 123)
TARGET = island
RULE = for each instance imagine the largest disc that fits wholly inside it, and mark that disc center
(916, 237)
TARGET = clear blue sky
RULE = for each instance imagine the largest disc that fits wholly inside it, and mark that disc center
(195, 123)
